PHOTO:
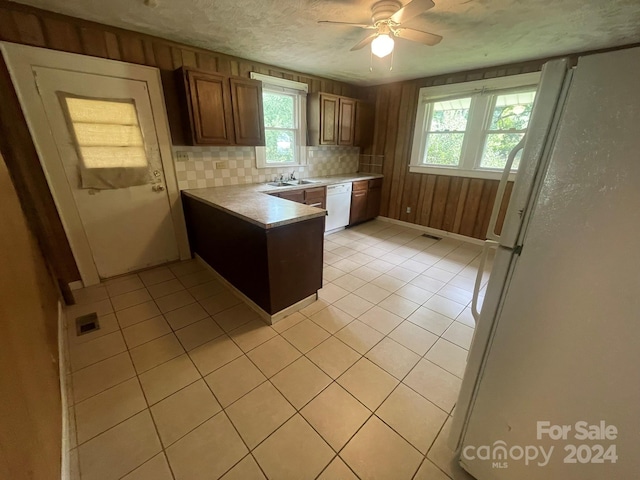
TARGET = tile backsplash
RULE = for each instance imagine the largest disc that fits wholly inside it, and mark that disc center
(198, 167)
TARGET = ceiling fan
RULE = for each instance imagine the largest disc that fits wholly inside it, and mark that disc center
(388, 16)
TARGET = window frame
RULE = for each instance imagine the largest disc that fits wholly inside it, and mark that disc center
(482, 93)
(299, 92)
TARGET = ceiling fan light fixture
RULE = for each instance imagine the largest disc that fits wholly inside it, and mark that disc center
(382, 45)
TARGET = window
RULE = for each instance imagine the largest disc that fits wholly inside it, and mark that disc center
(107, 133)
(469, 129)
(284, 104)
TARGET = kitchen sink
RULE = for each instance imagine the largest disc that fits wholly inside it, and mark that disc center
(300, 182)
(291, 183)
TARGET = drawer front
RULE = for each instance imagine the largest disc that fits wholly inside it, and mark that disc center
(361, 185)
(293, 195)
(315, 192)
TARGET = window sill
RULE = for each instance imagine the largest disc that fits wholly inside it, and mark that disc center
(458, 172)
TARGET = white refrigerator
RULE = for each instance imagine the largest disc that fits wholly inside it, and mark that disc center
(552, 384)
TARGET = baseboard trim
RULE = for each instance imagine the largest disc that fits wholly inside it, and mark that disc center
(266, 316)
(65, 471)
(433, 231)
(77, 285)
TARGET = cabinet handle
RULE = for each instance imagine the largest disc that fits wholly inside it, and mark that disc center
(316, 204)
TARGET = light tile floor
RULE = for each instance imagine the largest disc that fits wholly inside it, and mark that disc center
(184, 382)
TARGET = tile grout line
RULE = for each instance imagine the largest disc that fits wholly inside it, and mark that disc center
(279, 333)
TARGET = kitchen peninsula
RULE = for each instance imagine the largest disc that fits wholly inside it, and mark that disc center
(269, 249)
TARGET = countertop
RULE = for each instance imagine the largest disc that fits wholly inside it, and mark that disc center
(250, 202)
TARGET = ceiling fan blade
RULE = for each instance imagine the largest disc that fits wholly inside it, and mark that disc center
(418, 36)
(411, 9)
(364, 42)
(348, 24)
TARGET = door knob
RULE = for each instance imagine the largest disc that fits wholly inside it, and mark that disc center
(158, 188)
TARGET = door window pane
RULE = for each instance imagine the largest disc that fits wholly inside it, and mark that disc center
(107, 133)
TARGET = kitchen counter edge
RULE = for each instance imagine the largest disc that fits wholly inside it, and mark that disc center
(251, 202)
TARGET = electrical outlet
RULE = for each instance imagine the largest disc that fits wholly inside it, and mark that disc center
(222, 165)
(182, 156)
(408, 209)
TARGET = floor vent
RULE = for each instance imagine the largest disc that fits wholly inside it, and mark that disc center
(87, 323)
(431, 236)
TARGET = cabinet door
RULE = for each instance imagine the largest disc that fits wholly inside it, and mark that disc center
(328, 119)
(209, 99)
(294, 196)
(374, 196)
(248, 120)
(346, 121)
(363, 135)
(358, 207)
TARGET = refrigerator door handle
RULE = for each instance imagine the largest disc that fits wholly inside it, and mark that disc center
(488, 244)
(502, 186)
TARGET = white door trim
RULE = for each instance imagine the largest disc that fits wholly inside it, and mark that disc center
(20, 61)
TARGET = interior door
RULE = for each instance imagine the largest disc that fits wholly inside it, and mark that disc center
(105, 135)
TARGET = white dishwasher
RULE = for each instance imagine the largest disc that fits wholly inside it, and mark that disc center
(338, 206)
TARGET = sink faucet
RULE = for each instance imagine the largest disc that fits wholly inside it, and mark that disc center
(292, 176)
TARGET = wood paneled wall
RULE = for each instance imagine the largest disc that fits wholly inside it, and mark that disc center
(454, 204)
(28, 177)
(30, 420)
(40, 28)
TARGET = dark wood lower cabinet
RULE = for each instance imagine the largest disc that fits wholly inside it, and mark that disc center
(365, 200)
(358, 207)
(316, 197)
(275, 267)
(293, 195)
(374, 197)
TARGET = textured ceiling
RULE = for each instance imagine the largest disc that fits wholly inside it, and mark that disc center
(477, 33)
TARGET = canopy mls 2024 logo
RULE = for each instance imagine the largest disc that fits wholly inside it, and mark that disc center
(500, 453)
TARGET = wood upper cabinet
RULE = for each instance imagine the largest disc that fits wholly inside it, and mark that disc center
(222, 110)
(248, 118)
(209, 106)
(333, 119)
(346, 121)
(329, 115)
